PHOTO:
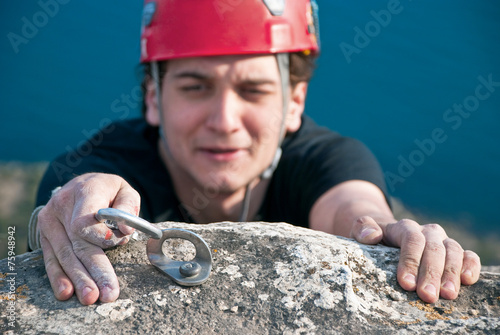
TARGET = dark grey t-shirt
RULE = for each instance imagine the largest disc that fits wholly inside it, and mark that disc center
(314, 160)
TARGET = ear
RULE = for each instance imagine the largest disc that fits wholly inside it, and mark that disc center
(152, 113)
(296, 107)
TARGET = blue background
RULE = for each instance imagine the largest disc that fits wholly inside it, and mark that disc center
(75, 70)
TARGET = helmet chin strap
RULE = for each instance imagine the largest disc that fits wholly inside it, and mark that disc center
(155, 72)
(283, 61)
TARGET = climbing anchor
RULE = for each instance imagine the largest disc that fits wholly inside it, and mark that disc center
(186, 273)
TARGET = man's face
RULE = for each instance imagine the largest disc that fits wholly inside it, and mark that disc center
(221, 119)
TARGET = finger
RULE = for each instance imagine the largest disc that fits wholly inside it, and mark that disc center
(366, 230)
(471, 268)
(66, 262)
(432, 263)
(450, 281)
(407, 235)
(92, 195)
(86, 227)
(98, 265)
(60, 283)
(128, 200)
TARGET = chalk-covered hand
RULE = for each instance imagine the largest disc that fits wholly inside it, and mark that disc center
(72, 240)
(431, 263)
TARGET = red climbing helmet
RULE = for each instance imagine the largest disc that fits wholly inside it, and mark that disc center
(190, 28)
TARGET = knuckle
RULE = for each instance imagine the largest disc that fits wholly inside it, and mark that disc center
(411, 262)
(96, 237)
(433, 273)
(78, 231)
(453, 246)
(131, 203)
(79, 247)
(435, 247)
(44, 216)
(434, 229)
(87, 183)
(61, 198)
(409, 224)
(84, 188)
(452, 270)
(135, 194)
(415, 240)
(86, 236)
(93, 183)
(65, 256)
(50, 261)
(115, 180)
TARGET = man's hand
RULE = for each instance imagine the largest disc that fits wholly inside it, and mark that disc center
(431, 263)
(72, 240)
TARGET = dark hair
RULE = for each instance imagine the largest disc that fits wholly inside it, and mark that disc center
(301, 69)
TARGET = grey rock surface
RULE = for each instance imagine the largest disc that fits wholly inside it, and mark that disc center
(267, 278)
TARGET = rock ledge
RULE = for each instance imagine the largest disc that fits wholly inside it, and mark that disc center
(267, 278)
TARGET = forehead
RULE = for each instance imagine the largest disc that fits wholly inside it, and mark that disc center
(234, 65)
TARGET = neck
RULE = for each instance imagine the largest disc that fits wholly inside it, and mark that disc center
(205, 206)
(228, 207)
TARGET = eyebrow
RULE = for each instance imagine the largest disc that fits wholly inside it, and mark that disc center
(258, 81)
(201, 76)
(191, 74)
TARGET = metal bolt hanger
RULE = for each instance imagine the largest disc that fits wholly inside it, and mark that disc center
(190, 273)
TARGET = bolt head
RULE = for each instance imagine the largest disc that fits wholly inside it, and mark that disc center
(190, 269)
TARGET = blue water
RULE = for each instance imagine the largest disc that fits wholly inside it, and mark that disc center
(391, 86)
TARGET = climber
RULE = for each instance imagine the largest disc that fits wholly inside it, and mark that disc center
(223, 137)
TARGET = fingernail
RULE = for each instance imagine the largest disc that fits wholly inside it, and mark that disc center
(430, 289)
(123, 241)
(449, 286)
(366, 232)
(468, 273)
(129, 231)
(86, 290)
(109, 234)
(62, 287)
(410, 279)
(106, 292)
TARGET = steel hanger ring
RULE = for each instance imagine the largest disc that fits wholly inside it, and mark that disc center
(190, 273)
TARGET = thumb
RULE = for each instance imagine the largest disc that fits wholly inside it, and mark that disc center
(366, 230)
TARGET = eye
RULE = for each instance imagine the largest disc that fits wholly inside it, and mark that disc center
(254, 91)
(194, 88)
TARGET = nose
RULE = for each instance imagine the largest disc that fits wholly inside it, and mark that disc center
(226, 113)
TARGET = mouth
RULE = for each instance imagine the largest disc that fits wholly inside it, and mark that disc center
(222, 154)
